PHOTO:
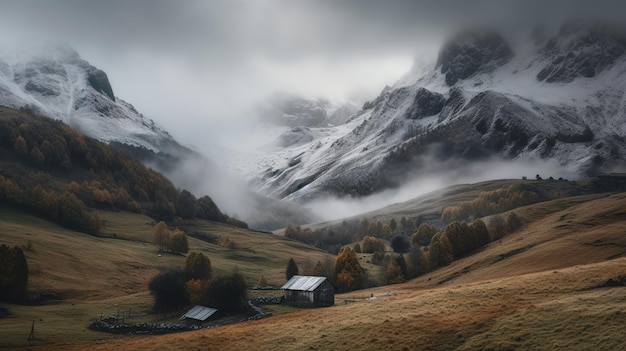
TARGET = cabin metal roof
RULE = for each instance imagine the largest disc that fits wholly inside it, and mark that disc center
(303, 283)
(200, 313)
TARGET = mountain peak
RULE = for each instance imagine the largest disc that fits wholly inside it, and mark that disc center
(581, 49)
(472, 51)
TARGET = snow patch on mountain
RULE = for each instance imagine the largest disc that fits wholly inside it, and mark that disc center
(54, 81)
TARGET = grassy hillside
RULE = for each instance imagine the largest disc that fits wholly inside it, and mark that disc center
(92, 275)
(542, 287)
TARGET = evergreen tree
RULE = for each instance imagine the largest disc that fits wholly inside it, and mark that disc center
(207, 209)
(393, 225)
(186, 205)
(13, 274)
(292, 269)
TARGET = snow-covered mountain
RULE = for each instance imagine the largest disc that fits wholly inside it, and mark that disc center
(293, 110)
(559, 97)
(54, 81)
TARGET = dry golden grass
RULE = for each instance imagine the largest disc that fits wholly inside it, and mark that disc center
(543, 311)
(539, 288)
(94, 275)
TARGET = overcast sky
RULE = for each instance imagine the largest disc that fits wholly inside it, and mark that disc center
(196, 67)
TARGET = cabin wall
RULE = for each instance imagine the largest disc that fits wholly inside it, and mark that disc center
(324, 295)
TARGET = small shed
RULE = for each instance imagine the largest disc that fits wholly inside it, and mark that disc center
(198, 314)
(309, 291)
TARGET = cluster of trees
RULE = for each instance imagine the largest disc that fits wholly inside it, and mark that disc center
(63, 208)
(345, 274)
(167, 240)
(13, 274)
(47, 165)
(491, 202)
(430, 248)
(333, 238)
(175, 288)
(305, 235)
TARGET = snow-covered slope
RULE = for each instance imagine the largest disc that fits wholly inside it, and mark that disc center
(562, 98)
(54, 81)
(293, 110)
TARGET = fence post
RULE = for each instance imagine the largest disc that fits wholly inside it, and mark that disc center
(31, 336)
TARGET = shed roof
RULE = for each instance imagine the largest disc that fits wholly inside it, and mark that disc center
(200, 313)
(303, 283)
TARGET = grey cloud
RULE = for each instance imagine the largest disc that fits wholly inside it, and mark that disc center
(207, 59)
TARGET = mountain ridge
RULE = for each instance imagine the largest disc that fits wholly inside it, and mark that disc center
(480, 100)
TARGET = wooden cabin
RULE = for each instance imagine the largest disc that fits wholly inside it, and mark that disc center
(309, 291)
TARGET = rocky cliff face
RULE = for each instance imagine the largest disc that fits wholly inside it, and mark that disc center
(581, 51)
(471, 52)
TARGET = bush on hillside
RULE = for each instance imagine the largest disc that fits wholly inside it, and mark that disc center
(169, 291)
(13, 274)
(227, 293)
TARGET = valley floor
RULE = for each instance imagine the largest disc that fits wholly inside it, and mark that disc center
(559, 309)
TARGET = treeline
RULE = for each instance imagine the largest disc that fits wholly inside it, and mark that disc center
(333, 238)
(491, 202)
(58, 173)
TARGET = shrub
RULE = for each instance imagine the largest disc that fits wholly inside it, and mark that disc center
(169, 290)
(400, 243)
(227, 292)
(13, 274)
(370, 245)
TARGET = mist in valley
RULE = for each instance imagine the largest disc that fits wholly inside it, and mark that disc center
(439, 175)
